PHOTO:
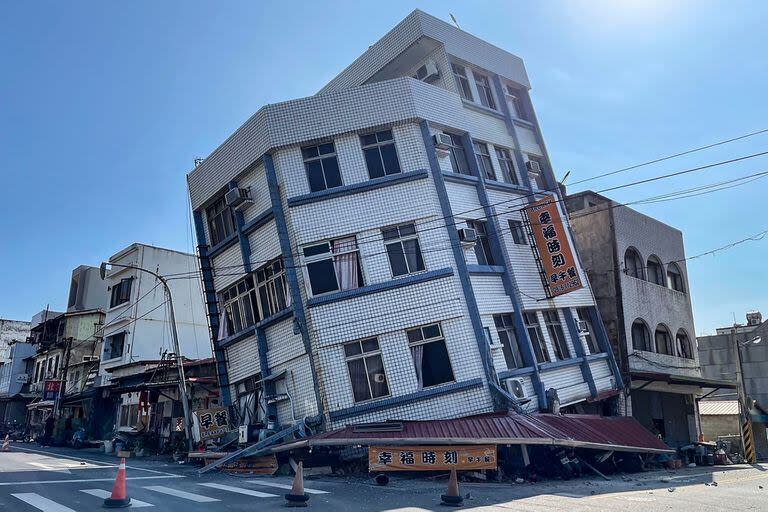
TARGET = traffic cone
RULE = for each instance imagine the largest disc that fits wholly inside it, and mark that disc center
(7, 443)
(119, 498)
(297, 496)
(453, 498)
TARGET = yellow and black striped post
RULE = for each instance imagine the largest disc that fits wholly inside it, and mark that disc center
(749, 441)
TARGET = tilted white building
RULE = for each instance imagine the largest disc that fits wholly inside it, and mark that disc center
(335, 240)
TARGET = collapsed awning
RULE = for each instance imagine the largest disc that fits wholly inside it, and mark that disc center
(683, 381)
(617, 433)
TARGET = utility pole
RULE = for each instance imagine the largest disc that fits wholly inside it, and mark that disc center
(176, 347)
(747, 439)
(63, 387)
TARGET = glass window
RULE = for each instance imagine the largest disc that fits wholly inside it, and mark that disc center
(518, 232)
(633, 263)
(333, 266)
(510, 346)
(403, 249)
(121, 292)
(460, 73)
(537, 177)
(458, 156)
(641, 336)
(655, 271)
(430, 356)
(380, 154)
(663, 341)
(113, 345)
(507, 165)
(272, 290)
(589, 333)
(537, 338)
(675, 277)
(483, 245)
(684, 348)
(240, 309)
(513, 102)
(483, 85)
(221, 221)
(556, 334)
(366, 369)
(484, 160)
(322, 166)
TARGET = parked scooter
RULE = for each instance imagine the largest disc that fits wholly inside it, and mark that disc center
(78, 438)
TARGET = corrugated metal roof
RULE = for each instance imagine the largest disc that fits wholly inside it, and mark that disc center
(718, 407)
(580, 430)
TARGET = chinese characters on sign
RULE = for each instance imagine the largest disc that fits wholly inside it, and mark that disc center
(212, 422)
(555, 252)
(51, 389)
(428, 458)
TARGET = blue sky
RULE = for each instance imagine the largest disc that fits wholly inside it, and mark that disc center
(105, 105)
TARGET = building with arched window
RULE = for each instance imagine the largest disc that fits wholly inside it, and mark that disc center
(636, 266)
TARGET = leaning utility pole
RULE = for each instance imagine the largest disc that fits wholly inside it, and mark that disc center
(747, 438)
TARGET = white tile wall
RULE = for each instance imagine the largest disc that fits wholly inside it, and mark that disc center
(256, 181)
(528, 141)
(228, 267)
(490, 294)
(265, 244)
(243, 359)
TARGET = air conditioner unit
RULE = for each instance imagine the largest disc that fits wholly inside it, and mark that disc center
(515, 387)
(428, 72)
(533, 167)
(238, 197)
(467, 236)
(582, 326)
(379, 378)
(442, 141)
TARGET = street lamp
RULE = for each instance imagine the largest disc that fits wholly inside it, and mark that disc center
(174, 335)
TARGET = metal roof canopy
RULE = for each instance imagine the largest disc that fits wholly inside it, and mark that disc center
(690, 381)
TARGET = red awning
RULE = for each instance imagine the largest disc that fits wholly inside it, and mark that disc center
(618, 433)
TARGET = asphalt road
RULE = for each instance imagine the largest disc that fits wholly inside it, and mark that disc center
(60, 480)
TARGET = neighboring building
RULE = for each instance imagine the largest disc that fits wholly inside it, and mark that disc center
(337, 284)
(636, 265)
(87, 290)
(719, 361)
(11, 331)
(14, 383)
(720, 421)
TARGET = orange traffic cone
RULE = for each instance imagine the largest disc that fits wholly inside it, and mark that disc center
(119, 498)
(7, 443)
(297, 496)
(453, 498)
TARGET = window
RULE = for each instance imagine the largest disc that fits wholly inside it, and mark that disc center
(221, 221)
(589, 334)
(483, 245)
(366, 369)
(507, 165)
(121, 292)
(510, 346)
(129, 415)
(271, 289)
(518, 232)
(458, 156)
(641, 336)
(538, 177)
(556, 334)
(251, 408)
(333, 266)
(537, 338)
(460, 73)
(633, 263)
(484, 160)
(403, 249)
(484, 90)
(322, 166)
(380, 154)
(430, 356)
(37, 372)
(113, 345)
(655, 271)
(513, 102)
(684, 348)
(663, 341)
(675, 277)
(239, 306)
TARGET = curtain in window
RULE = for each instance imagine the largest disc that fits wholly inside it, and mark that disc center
(359, 379)
(345, 264)
(417, 352)
(224, 330)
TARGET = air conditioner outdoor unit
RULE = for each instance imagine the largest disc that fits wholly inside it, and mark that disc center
(442, 141)
(467, 236)
(582, 326)
(533, 167)
(379, 378)
(515, 387)
(428, 72)
(238, 197)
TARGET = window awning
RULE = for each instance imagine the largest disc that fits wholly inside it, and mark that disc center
(685, 381)
(617, 433)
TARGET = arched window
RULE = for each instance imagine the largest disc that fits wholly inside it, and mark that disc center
(663, 340)
(675, 277)
(655, 271)
(641, 336)
(684, 347)
(633, 263)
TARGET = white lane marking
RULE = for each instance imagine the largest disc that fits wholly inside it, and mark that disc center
(240, 490)
(81, 480)
(181, 494)
(286, 486)
(41, 503)
(48, 467)
(99, 463)
(101, 493)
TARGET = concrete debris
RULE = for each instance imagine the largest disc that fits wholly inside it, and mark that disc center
(665, 480)
(711, 484)
(519, 480)
(672, 489)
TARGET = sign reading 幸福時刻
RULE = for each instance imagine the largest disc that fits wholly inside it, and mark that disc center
(431, 458)
(561, 274)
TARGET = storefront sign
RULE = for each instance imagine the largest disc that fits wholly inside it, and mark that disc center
(431, 458)
(554, 250)
(212, 422)
(51, 389)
